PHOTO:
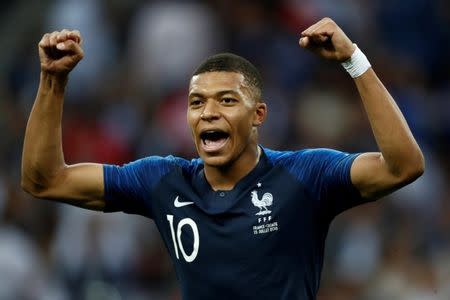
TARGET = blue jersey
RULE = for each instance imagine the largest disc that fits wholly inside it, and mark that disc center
(264, 239)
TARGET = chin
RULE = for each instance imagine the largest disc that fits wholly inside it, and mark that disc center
(215, 161)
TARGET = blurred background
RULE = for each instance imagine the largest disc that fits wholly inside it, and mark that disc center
(127, 99)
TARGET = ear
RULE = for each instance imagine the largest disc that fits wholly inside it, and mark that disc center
(260, 114)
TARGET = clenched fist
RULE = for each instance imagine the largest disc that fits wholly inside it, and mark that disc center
(60, 51)
(327, 39)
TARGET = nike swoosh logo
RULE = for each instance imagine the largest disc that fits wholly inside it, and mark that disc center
(181, 204)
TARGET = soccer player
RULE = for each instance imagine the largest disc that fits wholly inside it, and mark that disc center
(241, 221)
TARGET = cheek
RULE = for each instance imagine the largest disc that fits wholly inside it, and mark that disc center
(244, 125)
(191, 122)
(191, 118)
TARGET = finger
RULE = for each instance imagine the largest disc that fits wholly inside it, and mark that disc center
(314, 27)
(45, 41)
(304, 42)
(320, 38)
(52, 39)
(66, 45)
(322, 30)
(310, 29)
(61, 46)
(321, 27)
(314, 41)
(76, 49)
(321, 35)
(326, 29)
(75, 35)
(62, 36)
(73, 47)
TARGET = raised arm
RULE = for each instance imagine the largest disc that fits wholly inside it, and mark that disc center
(44, 172)
(400, 160)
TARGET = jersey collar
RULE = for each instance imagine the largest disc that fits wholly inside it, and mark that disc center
(220, 201)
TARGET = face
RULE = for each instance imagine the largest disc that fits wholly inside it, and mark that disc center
(223, 117)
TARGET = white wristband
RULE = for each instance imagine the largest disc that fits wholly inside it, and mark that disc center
(357, 64)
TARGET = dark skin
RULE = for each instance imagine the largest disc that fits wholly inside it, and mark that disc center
(224, 101)
(217, 100)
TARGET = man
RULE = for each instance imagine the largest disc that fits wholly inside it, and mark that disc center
(242, 221)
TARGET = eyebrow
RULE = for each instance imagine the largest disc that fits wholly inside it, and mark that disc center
(220, 93)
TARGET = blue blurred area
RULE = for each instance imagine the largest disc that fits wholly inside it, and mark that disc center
(127, 99)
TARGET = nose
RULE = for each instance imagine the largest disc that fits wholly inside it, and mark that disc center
(210, 111)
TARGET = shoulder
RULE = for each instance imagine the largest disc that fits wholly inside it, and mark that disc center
(304, 155)
(165, 163)
(311, 162)
(156, 165)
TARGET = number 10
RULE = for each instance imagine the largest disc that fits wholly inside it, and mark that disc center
(191, 223)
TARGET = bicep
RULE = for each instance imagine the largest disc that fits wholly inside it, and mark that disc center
(80, 185)
(371, 176)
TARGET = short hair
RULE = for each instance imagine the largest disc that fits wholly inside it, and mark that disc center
(229, 62)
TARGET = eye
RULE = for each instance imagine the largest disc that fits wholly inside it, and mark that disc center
(195, 102)
(228, 100)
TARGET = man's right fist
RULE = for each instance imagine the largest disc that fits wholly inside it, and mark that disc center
(60, 51)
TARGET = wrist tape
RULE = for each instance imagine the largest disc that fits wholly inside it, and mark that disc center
(357, 64)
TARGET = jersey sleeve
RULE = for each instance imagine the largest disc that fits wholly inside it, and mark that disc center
(326, 175)
(128, 188)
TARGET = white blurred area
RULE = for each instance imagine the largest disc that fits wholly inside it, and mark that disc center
(168, 40)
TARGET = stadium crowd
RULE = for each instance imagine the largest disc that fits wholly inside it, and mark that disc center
(127, 99)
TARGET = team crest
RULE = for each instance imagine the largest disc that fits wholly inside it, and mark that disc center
(265, 223)
(263, 203)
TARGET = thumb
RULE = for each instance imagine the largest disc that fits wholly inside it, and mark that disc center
(72, 48)
(314, 40)
(68, 45)
(303, 42)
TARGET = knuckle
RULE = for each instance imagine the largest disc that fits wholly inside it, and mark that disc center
(79, 56)
(70, 43)
(75, 34)
(43, 40)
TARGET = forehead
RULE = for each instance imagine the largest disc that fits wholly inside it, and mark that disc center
(213, 82)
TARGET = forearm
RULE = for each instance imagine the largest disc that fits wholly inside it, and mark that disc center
(395, 141)
(43, 157)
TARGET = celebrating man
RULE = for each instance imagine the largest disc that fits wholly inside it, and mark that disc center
(241, 221)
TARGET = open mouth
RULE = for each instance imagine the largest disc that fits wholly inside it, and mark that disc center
(213, 140)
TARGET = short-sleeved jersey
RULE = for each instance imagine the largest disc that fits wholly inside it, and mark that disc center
(264, 239)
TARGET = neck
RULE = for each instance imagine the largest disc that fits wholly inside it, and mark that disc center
(225, 178)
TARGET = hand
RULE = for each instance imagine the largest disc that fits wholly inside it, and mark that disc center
(60, 51)
(326, 39)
